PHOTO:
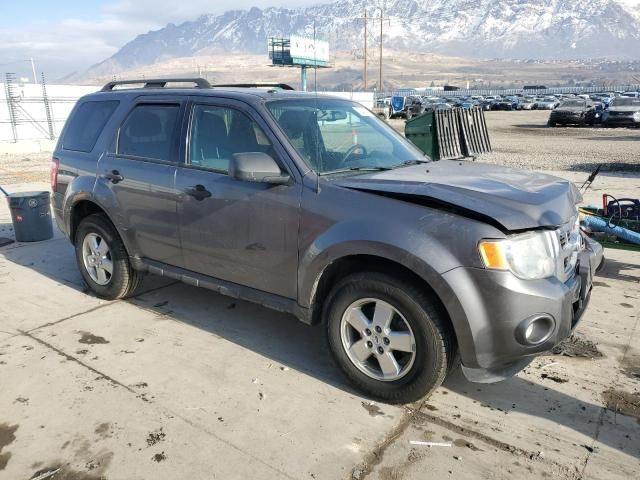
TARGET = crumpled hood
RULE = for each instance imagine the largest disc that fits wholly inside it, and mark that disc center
(516, 199)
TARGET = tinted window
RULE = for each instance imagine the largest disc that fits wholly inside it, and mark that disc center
(86, 124)
(148, 131)
(219, 132)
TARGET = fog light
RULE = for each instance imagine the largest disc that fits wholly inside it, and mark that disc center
(535, 330)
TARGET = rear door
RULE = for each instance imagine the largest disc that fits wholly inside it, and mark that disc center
(242, 232)
(139, 178)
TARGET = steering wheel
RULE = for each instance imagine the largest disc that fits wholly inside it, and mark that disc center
(352, 150)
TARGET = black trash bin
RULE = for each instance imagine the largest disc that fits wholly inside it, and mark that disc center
(31, 216)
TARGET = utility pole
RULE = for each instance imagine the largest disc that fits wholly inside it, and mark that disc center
(365, 49)
(380, 87)
(33, 69)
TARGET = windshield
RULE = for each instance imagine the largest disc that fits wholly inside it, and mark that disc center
(625, 102)
(574, 103)
(337, 136)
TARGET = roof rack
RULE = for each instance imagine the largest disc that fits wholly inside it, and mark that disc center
(282, 86)
(157, 83)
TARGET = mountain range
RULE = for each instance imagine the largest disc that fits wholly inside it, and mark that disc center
(517, 29)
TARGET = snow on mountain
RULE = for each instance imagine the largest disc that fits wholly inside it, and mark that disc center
(557, 29)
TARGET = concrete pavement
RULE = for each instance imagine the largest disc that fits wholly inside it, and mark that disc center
(180, 382)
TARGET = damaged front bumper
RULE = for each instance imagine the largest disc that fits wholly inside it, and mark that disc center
(499, 308)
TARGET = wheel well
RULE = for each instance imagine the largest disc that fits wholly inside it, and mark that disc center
(80, 211)
(367, 263)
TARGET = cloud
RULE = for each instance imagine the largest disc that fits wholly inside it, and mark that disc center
(62, 47)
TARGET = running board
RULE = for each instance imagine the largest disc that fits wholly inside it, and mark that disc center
(229, 289)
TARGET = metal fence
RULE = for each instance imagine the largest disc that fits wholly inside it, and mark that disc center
(35, 111)
(515, 91)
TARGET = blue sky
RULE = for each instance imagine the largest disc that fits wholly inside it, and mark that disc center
(27, 12)
(66, 36)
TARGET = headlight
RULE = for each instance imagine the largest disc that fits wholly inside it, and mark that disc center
(636, 116)
(528, 256)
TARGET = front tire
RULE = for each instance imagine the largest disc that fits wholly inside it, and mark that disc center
(103, 260)
(388, 337)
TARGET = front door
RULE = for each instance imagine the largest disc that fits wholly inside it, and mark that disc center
(242, 232)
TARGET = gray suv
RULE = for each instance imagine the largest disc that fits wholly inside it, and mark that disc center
(311, 205)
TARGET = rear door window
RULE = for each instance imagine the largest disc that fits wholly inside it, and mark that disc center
(86, 125)
(149, 132)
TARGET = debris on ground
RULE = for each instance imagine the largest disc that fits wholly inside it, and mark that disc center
(575, 346)
(372, 408)
(45, 475)
(429, 444)
(155, 437)
(554, 378)
(622, 402)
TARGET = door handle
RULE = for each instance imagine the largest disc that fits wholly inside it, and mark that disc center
(113, 176)
(199, 192)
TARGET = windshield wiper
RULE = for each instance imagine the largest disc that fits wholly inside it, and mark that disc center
(407, 163)
(356, 169)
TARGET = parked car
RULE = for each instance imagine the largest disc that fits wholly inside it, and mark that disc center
(382, 109)
(406, 106)
(438, 106)
(546, 103)
(527, 103)
(623, 111)
(503, 104)
(574, 112)
(314, 206)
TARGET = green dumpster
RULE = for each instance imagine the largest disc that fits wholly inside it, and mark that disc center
(450, 134)
(421, 131)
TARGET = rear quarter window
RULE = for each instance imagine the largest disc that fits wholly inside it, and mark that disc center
(86, 124)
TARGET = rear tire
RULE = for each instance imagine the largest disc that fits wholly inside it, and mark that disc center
(417, 372)
(122, 280)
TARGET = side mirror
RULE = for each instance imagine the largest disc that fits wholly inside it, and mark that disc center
(256, 167)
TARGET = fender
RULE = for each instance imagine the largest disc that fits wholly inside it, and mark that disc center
(317, 266)
(84, 188)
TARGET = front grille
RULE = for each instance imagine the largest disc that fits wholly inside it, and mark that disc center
(569, 245)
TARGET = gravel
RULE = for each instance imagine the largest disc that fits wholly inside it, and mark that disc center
(23, 168)
(522, 139)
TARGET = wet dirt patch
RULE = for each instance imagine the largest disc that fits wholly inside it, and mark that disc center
(103, 430)
(372, 409)
(91, 339)
(631, 367)
(461, 442)
(159, 457)
(619, 401)
(155, 437)
(7, 434)
(577, 347)
(4, 459)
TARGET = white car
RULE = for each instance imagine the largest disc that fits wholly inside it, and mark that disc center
(547, 103)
